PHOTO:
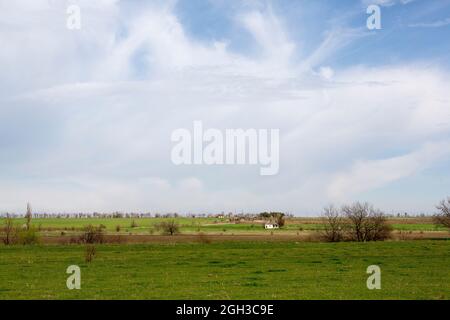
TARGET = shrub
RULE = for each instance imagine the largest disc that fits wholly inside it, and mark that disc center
(118, 228)
(134, 224)
(10, 231)
(169, 227)
(28, 236)
(92, 235)
(90, 253)
(376, 228)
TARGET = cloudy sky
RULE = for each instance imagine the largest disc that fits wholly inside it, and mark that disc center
(86, 115)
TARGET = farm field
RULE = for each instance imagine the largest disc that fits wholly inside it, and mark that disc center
(145, 230)
(208, 225)
(229, 270)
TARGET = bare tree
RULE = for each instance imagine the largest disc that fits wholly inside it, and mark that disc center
(443, 217)
(10, 231)
(366, 223)
(334, 224)
(357, 214)
(281, 220)
(376, 227)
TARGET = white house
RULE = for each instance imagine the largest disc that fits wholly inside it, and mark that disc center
(271, 226)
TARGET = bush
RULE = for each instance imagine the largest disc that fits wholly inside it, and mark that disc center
(90, 253)
(377, 228)
(10, 231)
(169, 227)
(92, 235)
(29, 236)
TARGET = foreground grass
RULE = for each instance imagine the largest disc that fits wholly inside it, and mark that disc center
(243, 270)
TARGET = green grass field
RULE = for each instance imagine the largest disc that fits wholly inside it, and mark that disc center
(231, 270)
(195, 225)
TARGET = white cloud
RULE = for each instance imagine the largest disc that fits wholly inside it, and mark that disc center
(86, 118)
(326, 72)
(370, 174)
(386, 3)
(269, 33)
(333, 41)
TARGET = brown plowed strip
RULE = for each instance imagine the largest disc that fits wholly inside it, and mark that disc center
(206, 238)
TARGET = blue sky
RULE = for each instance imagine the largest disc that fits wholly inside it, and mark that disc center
(411, 31)
(86, 115)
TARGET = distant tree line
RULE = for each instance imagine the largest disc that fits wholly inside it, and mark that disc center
(118, 215)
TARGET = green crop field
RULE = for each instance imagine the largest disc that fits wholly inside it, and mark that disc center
(229, 270)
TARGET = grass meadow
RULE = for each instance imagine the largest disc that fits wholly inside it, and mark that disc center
(229, 270)
(208, 225)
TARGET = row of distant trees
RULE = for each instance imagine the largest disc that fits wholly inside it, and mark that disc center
(118, 215)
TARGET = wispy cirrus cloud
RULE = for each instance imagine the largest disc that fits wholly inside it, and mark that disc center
(386, 3)
(434, 24)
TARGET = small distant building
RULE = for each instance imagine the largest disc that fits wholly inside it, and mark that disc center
(271, 226)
